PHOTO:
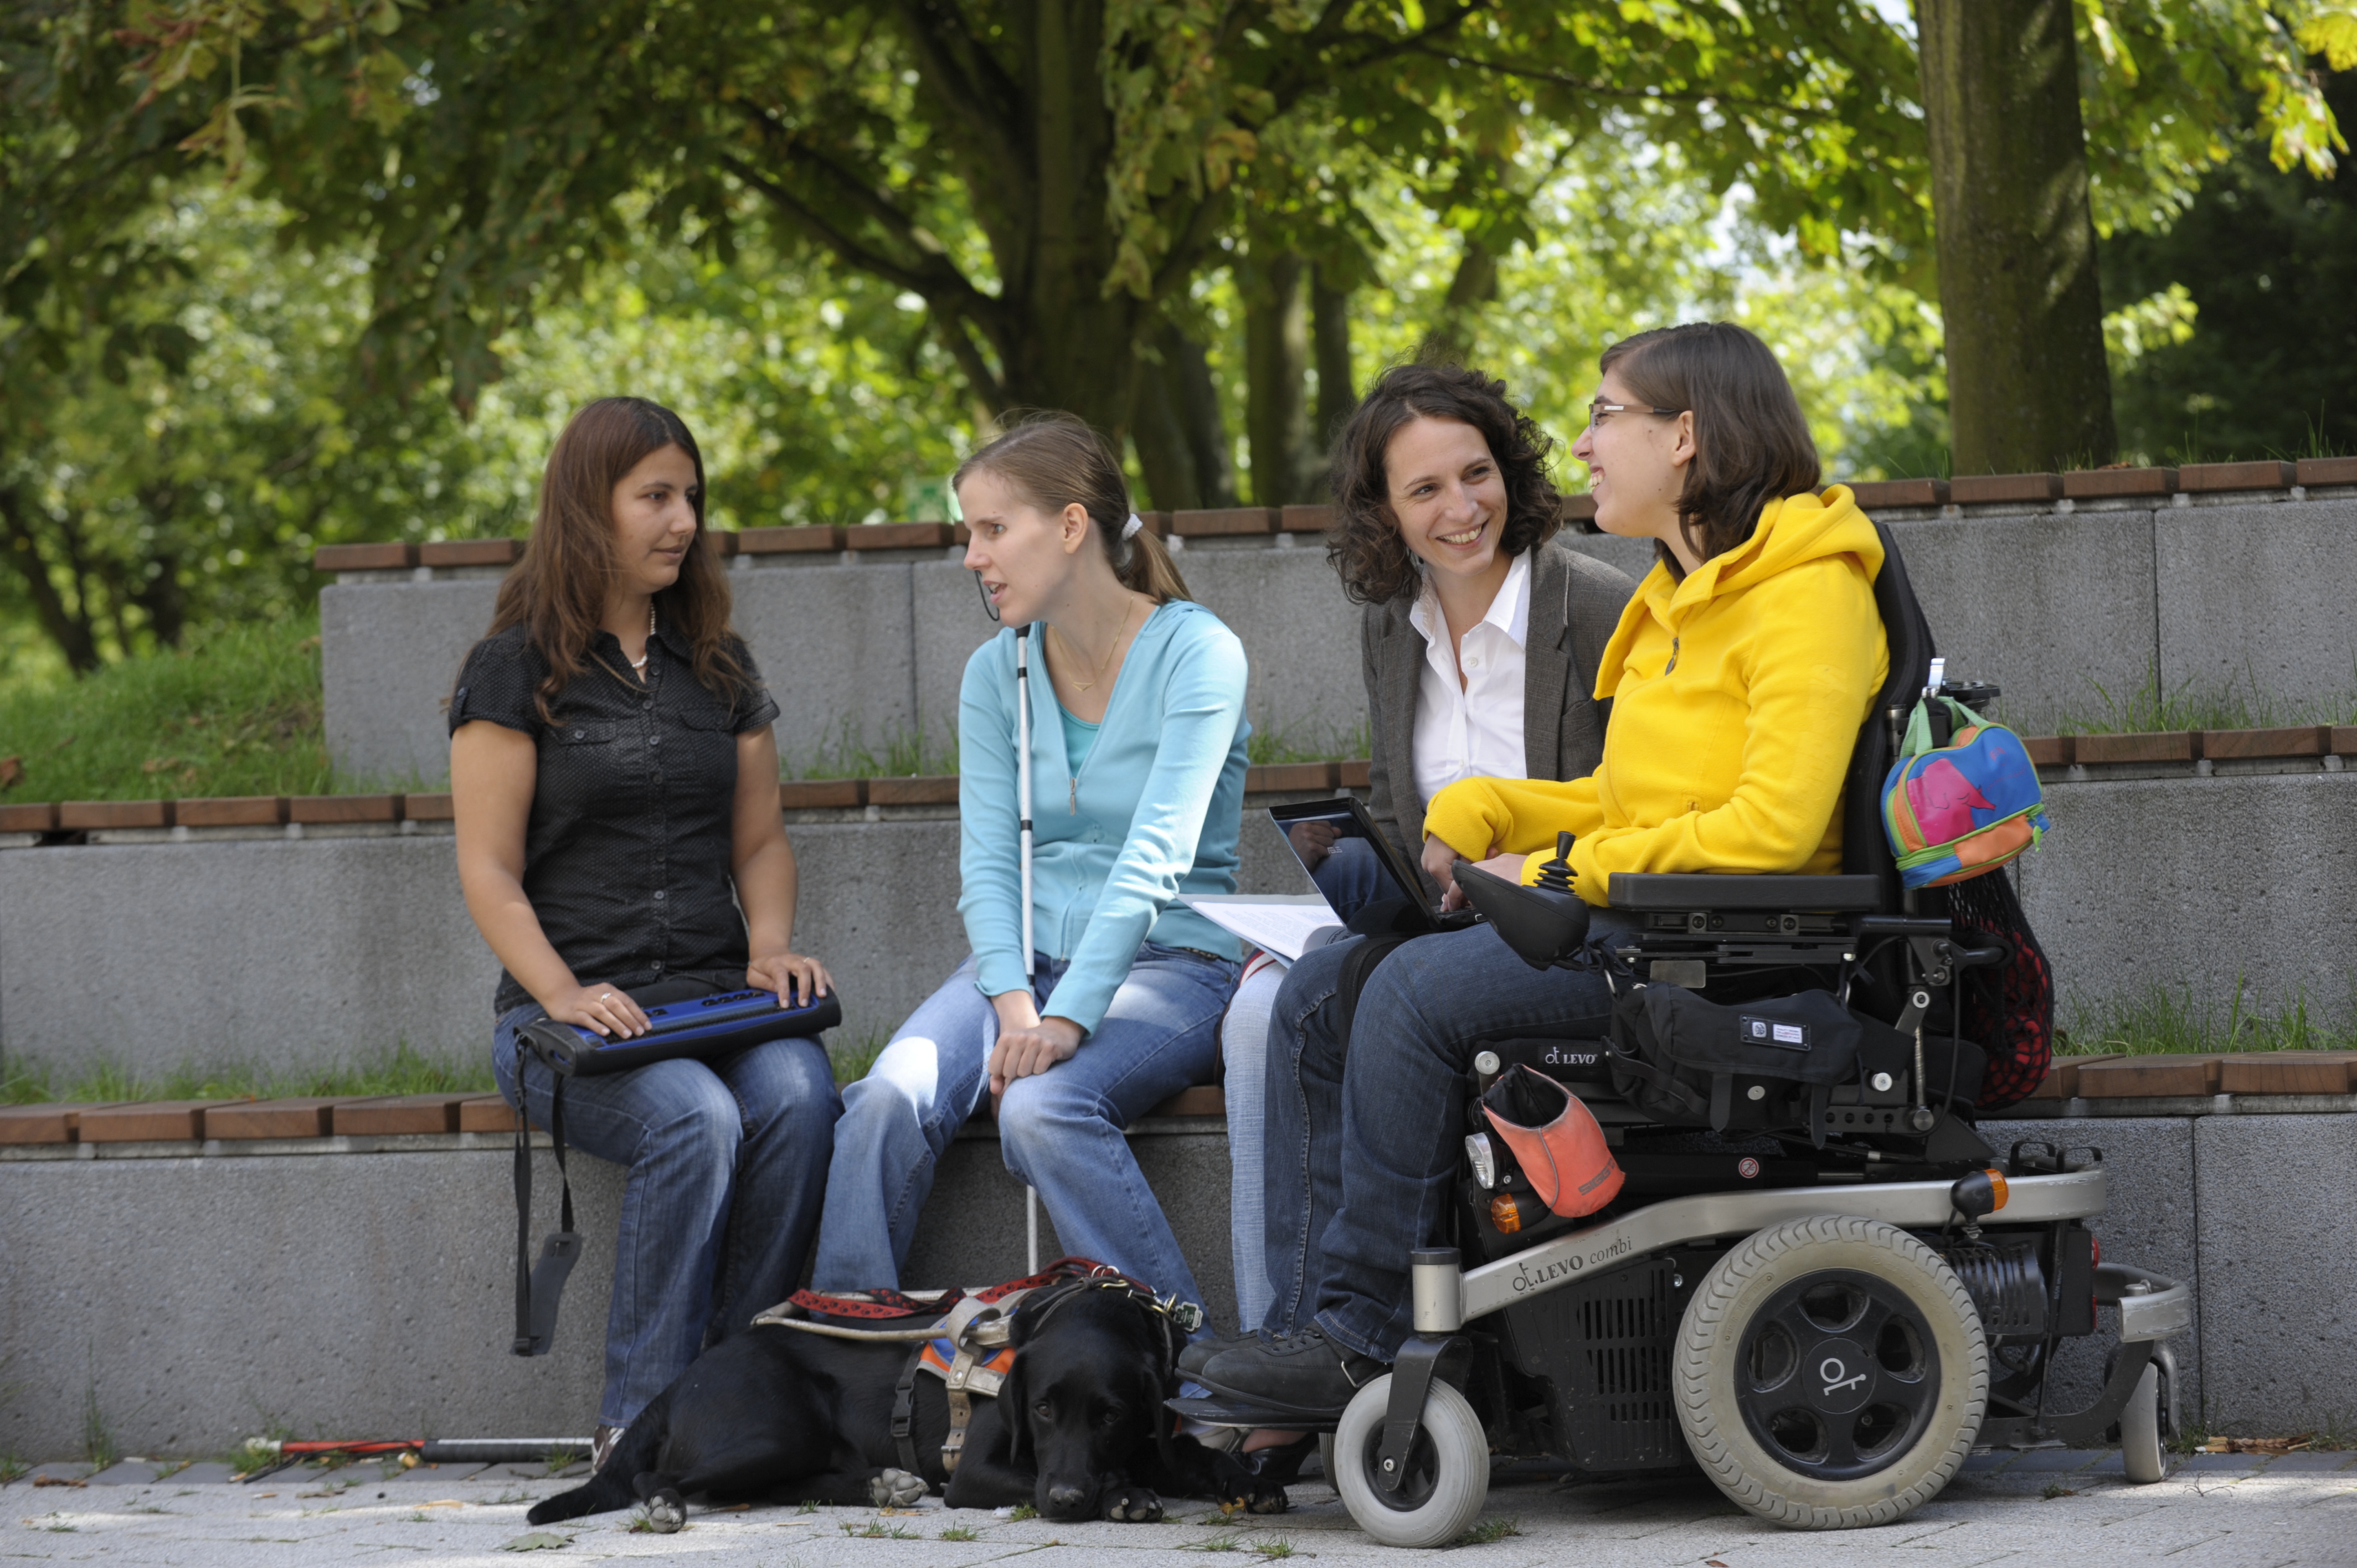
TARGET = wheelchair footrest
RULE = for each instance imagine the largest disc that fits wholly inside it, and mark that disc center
(1234, 1413)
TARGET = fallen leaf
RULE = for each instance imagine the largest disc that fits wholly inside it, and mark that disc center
(58, 1481)
(2258, 1444)
(1712, 1562)
(538, 1540)
(445, 1503)
(12, 772)
(158, 764)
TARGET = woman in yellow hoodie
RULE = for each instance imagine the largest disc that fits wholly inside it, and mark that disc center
(1739, 677)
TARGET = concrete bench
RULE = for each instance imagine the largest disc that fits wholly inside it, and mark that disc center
(359, 1283)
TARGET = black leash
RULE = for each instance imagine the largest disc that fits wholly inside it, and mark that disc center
(539, 1288)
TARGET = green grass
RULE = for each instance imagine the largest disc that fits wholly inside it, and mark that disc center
(27, 1082)
(2230, 705)
(960, 1532)
(1489, 1531)
(2162, 1021)
(906, 753)
(238, 714)
(1304, 742)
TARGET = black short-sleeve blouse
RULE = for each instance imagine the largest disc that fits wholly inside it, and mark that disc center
(627, 851)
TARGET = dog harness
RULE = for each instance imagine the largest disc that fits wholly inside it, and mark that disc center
(968, 1346)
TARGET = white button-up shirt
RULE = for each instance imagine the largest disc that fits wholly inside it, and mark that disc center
(1475, 730)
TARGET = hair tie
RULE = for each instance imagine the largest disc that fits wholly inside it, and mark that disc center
(1129, 529)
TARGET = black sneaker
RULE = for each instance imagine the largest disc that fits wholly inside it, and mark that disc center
(1298, 1374)
(1199, 1352)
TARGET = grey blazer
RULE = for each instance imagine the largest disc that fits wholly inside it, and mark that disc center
(1575, 603)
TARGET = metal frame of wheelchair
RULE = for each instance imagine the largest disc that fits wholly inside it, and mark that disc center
(1827, 1329)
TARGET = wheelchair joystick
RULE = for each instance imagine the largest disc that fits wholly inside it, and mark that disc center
(1556, 874)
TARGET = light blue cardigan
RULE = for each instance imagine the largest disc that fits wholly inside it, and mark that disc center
(1155, 813)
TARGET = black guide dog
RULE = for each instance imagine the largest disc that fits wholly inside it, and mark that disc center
(1078, 1429)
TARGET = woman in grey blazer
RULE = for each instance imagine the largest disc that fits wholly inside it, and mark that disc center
(1481, 634)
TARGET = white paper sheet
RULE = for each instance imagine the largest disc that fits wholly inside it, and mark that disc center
(1280, 922)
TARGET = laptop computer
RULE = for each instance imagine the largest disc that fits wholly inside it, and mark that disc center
(1357, 869)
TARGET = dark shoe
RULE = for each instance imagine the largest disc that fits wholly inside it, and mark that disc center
(1199, 1352)
(1298, 1374)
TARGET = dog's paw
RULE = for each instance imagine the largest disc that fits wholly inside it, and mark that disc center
(1266, 1497)
(897, 1490)
(666, 1515)
(1133, 1505)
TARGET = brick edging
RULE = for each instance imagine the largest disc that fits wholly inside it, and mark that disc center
(1231, 522)
(807, 794)
(2290, 742)
(383, 1115)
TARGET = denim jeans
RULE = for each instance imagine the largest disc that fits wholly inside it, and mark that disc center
(1359, 1162)
(1060, 1130)
(726, 1160)
(1244, 1053)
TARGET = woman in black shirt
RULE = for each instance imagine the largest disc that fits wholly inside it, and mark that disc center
(616, 786)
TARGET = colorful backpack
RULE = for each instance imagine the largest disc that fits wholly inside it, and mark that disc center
(1958, 811)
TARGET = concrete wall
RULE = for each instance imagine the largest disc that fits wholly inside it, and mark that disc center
(292, 953)
(2282, 621)
(2051, 605)
(199, 1300)
(2194, 883)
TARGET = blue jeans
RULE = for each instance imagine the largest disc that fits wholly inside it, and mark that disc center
(1243, 1052)
(1359, 1164)
(727, 1160)
(1060, 1130)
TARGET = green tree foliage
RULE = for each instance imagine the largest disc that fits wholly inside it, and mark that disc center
(2262, 269)
(1043, 175)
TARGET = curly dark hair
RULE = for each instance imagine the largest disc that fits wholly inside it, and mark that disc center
(1364, 544)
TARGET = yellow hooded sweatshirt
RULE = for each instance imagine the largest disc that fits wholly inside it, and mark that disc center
(1737, 695)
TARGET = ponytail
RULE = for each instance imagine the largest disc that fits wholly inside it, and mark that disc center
(1144, 566)
(1059, 460)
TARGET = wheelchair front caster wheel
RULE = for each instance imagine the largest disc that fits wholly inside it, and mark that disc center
(1447, 1468)
(2140, 1439)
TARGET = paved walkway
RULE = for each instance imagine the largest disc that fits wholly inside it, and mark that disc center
(2055, 1509)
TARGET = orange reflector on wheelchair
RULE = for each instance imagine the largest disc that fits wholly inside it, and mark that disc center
(1556, 1141)
(1506, 1213)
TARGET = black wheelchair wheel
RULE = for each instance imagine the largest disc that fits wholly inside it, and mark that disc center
(1830, 1373)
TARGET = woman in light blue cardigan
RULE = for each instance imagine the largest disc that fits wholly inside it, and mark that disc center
(1137, 770)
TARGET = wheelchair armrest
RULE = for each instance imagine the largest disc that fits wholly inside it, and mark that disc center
(1671, 892)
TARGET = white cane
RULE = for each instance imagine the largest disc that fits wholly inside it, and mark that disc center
(1023, 819)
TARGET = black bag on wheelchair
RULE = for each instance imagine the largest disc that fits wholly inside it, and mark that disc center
(1776, 1062)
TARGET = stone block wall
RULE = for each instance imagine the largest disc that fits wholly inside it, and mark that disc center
(2057, 606)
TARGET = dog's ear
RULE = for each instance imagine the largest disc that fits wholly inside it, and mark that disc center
(1015, 1409)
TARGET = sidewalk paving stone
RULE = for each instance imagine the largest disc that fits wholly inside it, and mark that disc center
(2215, 1464)
(2051, 1460)
(2313, 1462)
(1986, 1516)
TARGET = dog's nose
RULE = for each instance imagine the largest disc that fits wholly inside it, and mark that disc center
(1067, 1497)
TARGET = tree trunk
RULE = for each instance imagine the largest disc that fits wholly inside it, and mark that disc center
(1182, 443)
(2028, 387)
(1276, 371)
(1451, 339)
(69, 631)
(1329, 335)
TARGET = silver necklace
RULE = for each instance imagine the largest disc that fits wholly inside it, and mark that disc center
(640, 662)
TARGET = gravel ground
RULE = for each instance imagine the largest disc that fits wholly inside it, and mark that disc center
(2054, 1508)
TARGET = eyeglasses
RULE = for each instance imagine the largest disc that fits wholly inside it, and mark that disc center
(1599, 411)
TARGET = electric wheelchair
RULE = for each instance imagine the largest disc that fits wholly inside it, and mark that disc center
(1824, 1294)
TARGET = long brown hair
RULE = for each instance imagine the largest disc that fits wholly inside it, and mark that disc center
(1364, 542)
(558, 590)
(1055, 460)
(1751, 443)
